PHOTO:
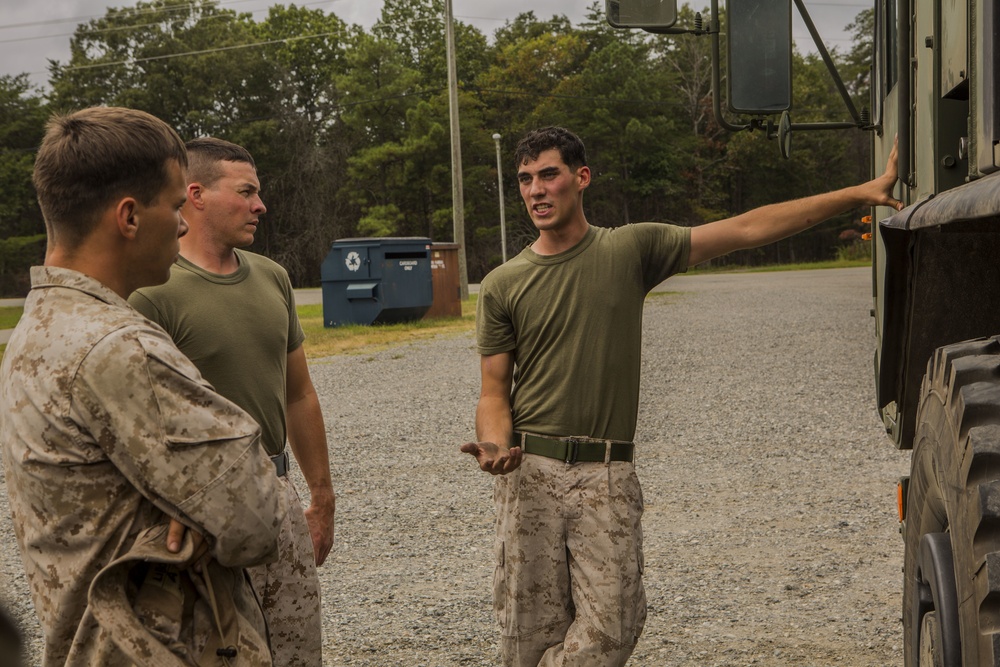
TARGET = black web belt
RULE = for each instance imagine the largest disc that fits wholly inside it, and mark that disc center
(574, 449)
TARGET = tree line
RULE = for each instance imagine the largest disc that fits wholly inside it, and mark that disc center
(350, 127)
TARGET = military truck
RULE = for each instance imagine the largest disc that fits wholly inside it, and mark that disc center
(935, 278)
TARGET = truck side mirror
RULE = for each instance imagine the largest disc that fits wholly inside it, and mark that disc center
(641, 13)
(759, 40)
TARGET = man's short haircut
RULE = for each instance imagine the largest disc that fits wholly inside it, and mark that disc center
(534, 143)
(206, 154)
(91, 158)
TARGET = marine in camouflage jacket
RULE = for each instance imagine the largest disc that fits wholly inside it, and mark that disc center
(107, 430)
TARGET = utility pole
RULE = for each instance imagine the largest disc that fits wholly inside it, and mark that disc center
(503, 221)
(457, 196)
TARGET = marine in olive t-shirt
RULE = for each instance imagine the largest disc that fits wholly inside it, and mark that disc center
(574, 323)
(245, 353)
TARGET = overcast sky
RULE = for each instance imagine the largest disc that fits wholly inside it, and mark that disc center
(33, 31)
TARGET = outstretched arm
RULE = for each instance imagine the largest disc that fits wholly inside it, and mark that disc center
(777, 221)
(494, 424)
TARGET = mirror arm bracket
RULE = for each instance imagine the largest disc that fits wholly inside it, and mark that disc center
(714, 30)
(830, 66)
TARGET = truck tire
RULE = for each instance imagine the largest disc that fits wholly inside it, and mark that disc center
(951, 567)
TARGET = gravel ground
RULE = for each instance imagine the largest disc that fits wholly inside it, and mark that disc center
(770, 528)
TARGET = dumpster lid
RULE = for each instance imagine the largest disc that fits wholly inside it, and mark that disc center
(379, 240)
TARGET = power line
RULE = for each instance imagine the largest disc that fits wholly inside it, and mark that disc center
(123, 28)
(220, 3)
(167, 56)
(193, 5)
(120, 28)
(137, 12)
(142, 25)
(202, 51)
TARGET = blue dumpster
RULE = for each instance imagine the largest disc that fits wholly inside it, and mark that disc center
(376, 281)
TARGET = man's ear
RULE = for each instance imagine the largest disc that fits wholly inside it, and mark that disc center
(126, 215)
(583, 173)
(194, 195)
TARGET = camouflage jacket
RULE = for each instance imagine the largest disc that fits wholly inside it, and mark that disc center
(108, 430)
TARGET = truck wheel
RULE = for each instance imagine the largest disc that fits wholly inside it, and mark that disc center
(951, 568)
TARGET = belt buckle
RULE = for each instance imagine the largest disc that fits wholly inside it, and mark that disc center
(572, 450)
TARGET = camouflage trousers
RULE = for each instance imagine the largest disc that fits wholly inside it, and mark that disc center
(289, 592)
(568, 582)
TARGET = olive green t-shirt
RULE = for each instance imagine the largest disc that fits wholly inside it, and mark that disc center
(574, 323)
(237, 329)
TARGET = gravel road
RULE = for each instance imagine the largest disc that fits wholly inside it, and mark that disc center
(770, 528)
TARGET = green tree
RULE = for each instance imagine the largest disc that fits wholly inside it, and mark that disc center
(307, 49)
(23, 113)
(350, 128)
(820, 161)
(196, 66)
(379, 90)
(269, 86)
(297, 138)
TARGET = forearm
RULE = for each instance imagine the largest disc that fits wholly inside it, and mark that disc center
(494, 422)
(241, 529)
(773, 222)
(307, 438)
(778, 221)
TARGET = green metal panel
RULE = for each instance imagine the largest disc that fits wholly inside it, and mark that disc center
(954, 47)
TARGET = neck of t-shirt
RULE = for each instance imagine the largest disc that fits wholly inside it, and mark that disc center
(551, 242)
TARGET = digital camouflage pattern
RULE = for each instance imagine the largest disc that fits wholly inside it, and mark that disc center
(289, 591)
(106, 429)
(591, 511)
(251, 371)
(155, 610)
(568, 583)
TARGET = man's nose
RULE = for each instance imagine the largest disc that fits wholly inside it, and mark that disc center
(182, 228)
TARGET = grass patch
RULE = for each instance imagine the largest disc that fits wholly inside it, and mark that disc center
(9, 315)
(830, 264)
(358, 339)
(354, 339)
